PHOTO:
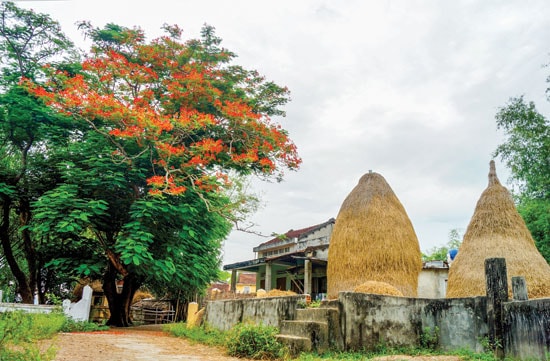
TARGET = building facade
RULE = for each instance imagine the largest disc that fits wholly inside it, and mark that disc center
(297, 261)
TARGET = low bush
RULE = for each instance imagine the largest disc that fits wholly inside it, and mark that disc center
(19, 331)
(70, 325)
(255, 342)
(204, 334)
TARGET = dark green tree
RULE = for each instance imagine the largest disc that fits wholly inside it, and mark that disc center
(526, 152)
(145, 197)
(30, 136)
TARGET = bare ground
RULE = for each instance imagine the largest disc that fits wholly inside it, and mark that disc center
(150, 343)
(144, 343)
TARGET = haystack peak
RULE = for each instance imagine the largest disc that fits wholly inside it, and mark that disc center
(493, 179)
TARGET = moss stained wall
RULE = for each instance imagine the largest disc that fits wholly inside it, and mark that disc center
(269, 311)
(371, 320)
(526, 327)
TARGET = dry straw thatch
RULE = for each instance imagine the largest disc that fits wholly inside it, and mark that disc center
(275, 293)
(497, 230)
(373, 240)
(378, 288)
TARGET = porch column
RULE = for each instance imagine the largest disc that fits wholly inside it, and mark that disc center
(267, 276)
(233, 280)
(307, 277)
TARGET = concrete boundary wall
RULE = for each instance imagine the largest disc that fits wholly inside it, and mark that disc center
(269, 311)
(369, 321)
(526, 329)
(9, 307)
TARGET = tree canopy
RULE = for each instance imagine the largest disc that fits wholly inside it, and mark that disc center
(31, 135)
(526, 151)
(439, 253)
(165, 127)
(127, 164)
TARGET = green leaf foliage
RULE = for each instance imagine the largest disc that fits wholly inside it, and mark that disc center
(526, 151)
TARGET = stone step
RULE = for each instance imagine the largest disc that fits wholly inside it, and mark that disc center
(331, 316)
(330, 304)
(295, 344)
(315, 314)
(316, 332)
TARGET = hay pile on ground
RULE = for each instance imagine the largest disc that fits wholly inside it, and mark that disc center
(373, 240)
(497, 230)
(275, 293)
(378, 288)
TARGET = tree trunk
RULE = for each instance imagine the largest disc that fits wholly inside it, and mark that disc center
(28, 247)
(119, 303)
(5, 238)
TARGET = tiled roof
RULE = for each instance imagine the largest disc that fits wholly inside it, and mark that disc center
(296, 233)
(247, 278)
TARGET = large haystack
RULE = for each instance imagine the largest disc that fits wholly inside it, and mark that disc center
(373, 240)
(497, 230)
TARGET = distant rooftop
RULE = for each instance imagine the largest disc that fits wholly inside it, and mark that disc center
(291, 234)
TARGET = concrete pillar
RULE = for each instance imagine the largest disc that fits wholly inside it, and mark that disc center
(192, 310)
(233, 280)
(267, 276)
(497, 293)
(1, 296)
(307, 277)
(519, 288)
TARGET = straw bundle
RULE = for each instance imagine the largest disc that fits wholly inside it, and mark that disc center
(275, 293)
(373, 240)
(378, 288)
(497, 230)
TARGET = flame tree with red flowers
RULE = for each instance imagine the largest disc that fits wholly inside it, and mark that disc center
(170, 126)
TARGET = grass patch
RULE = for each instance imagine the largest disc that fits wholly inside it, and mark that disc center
(19, 331)
(255, 342)
(71, 325)
(382, 350)
(243, 340)
(205, 335)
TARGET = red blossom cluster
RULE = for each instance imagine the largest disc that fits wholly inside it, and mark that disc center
(177, 108)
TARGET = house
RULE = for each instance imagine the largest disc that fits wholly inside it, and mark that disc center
(297, 261)
(246, 283)
(432, 280)
(294, 261)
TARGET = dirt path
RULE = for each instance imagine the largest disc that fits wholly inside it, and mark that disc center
(150, 343)
(144, 343)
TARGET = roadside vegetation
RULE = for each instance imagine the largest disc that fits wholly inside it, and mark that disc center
(258, 342)
(19, 333)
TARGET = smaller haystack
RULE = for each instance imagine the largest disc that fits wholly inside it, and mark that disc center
(496, 230)
(378, 288)
(274, 293)
(373, 240)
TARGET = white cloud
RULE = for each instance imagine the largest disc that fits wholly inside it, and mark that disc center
(406, 88)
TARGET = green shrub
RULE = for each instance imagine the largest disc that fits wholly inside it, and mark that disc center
(19, 330)
(256, 342)
(204, 334)
(71, 325)
(429, 339)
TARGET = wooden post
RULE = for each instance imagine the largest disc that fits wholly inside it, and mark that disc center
(307, 277)
(519, 288)
(497, 293)
(267, 287)
(233, 280)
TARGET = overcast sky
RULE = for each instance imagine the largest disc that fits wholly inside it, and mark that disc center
(408, 89)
